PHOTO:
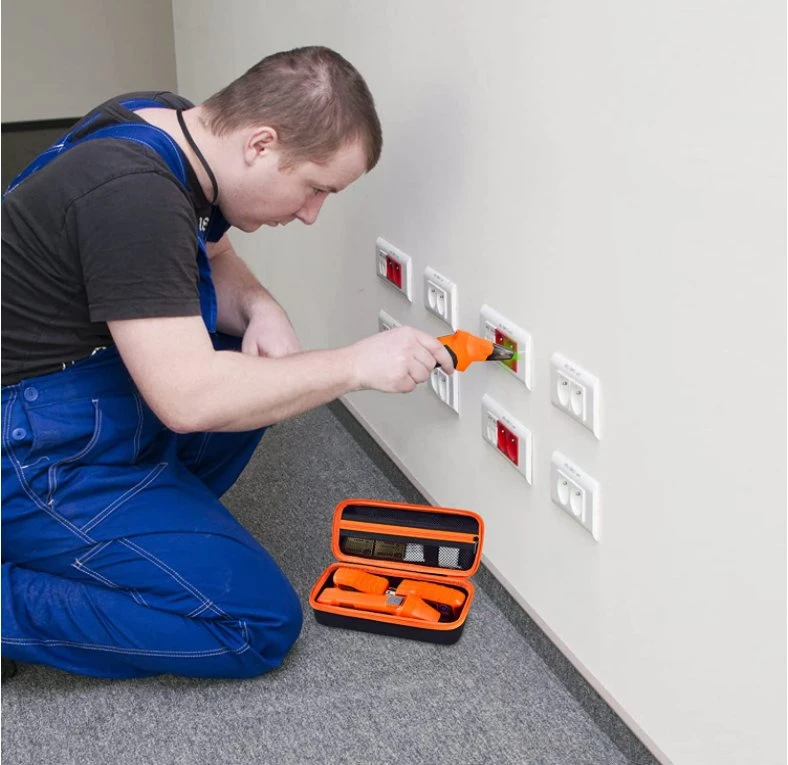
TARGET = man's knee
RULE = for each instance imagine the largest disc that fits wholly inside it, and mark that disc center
(270, 631)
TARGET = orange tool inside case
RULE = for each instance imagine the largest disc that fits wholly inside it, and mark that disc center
(411, 546)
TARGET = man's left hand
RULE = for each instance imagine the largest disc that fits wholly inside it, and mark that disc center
(270, 333)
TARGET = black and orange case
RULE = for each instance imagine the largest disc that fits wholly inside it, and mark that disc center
(402, 541)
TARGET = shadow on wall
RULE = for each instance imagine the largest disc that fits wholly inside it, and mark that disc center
(24, 141)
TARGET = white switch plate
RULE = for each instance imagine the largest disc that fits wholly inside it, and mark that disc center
(494, 417)
(386, 321)
(491, 321)
(440, 296)
(575, 492)
(575, 392)
(387, 259)
(446, 388)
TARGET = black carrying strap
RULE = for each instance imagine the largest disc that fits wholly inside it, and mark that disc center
(188, 136)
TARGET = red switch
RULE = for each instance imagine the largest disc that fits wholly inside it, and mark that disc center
(508, 443)
(393, 271)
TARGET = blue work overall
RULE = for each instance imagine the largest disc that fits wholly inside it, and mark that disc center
(118, 558)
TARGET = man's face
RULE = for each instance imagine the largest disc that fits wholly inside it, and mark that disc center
(264, 193)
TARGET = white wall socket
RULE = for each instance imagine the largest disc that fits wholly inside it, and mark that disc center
(508, 436)
(574, 491)
(394, 267)
(386, 321)
(575, 392)
(446, 388)
(440, 296)
(499, 329)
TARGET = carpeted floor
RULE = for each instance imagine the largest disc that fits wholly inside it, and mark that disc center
(341, 696)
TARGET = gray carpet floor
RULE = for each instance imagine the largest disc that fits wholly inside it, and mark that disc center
(341, 696)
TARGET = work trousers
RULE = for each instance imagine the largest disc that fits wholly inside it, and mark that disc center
(119, 560)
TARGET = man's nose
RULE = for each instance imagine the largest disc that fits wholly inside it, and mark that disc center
(309, 212)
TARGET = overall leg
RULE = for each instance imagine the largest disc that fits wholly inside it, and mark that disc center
(123, 568)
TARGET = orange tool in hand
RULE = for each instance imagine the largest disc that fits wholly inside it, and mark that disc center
(410, 607)
(465, 348)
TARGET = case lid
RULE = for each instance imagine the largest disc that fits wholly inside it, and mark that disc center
(435, 540)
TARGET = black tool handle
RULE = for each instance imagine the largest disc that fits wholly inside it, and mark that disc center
(453, 357)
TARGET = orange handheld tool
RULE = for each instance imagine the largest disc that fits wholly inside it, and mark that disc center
(410, 607)
(465, 348)
(360, 580)
(435, 593)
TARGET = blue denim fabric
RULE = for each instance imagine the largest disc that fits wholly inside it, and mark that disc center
(118, 558)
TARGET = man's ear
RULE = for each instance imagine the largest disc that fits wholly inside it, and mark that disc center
(259, 141)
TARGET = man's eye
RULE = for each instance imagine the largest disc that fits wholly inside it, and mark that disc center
(317, 191)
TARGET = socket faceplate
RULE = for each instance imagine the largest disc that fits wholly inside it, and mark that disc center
(499, 329)
(575, 492)
(575, 392)
(509, 436)
(394, 267)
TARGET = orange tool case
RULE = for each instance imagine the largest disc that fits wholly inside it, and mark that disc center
(414, 548)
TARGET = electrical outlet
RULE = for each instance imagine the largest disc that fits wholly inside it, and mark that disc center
(440, 296)
(385, 321)
(446, 388)
(504, 332)
(510, 437)
(575, 492)
(394, 267)
(575, 392)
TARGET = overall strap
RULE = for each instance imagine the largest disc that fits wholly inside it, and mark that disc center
(67, 141)
(162, 143)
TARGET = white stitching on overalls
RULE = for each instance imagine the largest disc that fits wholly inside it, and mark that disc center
(138, 432)
(125, 497)
(132, 651)
(34, 498)
(52, 471)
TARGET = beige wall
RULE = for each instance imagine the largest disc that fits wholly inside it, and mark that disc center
(611, 176)
(60, 59)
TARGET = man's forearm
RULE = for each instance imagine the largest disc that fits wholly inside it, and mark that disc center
(240, 392)
(239, 293)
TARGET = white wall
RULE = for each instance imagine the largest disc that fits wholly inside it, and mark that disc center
(611, 176)
(60, 59)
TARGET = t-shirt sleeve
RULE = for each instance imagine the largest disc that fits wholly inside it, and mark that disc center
(137, 240)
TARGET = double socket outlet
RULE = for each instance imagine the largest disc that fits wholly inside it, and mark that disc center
(575, 392)
(575, 492)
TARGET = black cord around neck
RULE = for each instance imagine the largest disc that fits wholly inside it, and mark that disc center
(188, 136)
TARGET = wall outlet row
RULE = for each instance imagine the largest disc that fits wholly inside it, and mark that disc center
(573, 390)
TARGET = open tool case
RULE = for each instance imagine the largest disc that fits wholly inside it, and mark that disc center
(412, 546)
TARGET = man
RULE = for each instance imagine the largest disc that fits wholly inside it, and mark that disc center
(127, 406)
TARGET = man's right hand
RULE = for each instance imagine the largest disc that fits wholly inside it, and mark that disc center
(397, 360)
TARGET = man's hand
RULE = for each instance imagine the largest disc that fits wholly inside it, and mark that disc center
(270, 333)
(397, 360)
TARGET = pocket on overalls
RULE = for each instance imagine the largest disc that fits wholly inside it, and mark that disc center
(64, 430)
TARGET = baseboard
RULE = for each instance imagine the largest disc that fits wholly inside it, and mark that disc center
(600, 705)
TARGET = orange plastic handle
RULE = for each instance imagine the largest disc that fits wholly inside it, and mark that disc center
(410, 607)
(435, 593)
(360, 580)
(467, 348)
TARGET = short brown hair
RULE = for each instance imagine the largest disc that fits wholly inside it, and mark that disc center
(315, 100)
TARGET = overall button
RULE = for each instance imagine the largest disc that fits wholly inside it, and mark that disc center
(31, 394)
(18, 433)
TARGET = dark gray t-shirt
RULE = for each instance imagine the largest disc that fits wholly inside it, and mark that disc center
(104, 232)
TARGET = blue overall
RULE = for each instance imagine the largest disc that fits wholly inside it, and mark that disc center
(119, 560)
